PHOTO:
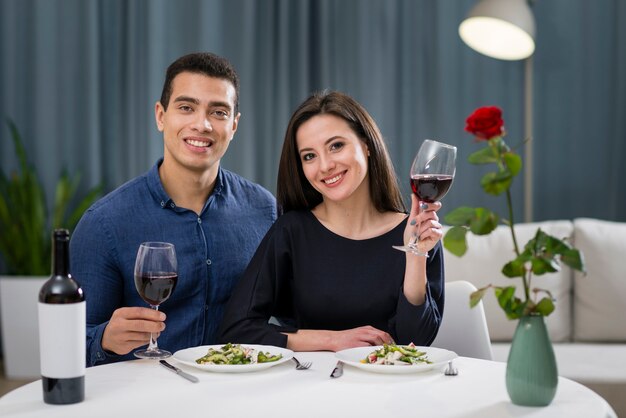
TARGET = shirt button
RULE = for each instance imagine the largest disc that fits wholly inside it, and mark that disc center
(208, 262)
(172, 205)
(206, 307)
(199, 220)
(162, 204)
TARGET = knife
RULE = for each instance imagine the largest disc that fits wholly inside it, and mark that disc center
(179, 372)
(338, 370)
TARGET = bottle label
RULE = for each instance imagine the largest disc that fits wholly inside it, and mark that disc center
(62, 344)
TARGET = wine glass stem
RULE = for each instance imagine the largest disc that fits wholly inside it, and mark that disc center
(153, 341)
(415, 239)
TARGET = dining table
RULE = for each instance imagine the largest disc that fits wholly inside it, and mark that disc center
(143, 388)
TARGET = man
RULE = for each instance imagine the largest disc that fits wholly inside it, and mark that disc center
(214, 217)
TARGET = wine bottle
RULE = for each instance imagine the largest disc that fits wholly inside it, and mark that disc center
(62, 322)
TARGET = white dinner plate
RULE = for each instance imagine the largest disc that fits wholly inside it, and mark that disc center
(353, 357)
(188, 356)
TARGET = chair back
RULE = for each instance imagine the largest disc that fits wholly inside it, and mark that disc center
(463, 329)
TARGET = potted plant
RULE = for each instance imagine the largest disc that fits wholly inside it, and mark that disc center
(531, 375)
(25, 245)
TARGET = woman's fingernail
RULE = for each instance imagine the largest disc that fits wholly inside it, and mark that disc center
(423, 206)
(413, 222)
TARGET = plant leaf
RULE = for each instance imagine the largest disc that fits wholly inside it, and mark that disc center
(512, 305)
(496, 183)
(483, 222)
(514, 268)
(484, 156)
(574, 259)
(545, 306)
(455, 241)
(543, 265)
(513, 163)
(476, 297)
(460, 216)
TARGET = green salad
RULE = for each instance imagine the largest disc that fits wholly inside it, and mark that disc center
(230, 354)
(400, 355)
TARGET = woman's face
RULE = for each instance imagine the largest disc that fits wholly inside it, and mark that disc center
(334, 159)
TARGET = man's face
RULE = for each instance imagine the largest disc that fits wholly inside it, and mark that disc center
(199, 122)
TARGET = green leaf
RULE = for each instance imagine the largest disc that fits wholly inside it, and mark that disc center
(543, 265)
(512, 305)
(454, 240)
(483, 222)
(574, 259)
(477, 296)
(545, 306)
(513, 163)
(496, 183)
(460, 216)
(484, 156)
(514, 268)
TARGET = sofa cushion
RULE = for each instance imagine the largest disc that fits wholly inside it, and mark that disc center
(482, 265)
(599, 309)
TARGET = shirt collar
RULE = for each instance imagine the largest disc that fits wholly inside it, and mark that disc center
(162, 198)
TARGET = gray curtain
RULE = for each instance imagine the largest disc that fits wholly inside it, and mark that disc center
(80, 79)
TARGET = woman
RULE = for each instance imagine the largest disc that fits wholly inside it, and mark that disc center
(327, 264)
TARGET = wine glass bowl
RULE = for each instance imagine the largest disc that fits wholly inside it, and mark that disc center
(431, 188)
(432, 173)
(156, 275)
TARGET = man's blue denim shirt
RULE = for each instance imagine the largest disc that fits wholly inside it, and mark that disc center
(212, 249)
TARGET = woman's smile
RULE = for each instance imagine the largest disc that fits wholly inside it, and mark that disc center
(334, 180)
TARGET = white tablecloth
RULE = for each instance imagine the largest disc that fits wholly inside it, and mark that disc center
(143, 388)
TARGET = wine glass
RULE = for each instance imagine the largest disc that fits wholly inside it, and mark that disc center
(156, 274)
(432, 173)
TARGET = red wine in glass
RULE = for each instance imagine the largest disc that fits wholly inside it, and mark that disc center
(156, 288)
(156, 275)
(431, 174)
(431, 188)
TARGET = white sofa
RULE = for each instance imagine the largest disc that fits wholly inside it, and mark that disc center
(588, 326)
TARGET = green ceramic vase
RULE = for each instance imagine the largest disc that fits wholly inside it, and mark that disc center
(531, 373)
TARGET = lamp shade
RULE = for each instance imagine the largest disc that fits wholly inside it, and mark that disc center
(502, 29)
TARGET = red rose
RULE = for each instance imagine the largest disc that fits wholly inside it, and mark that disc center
(486, 123)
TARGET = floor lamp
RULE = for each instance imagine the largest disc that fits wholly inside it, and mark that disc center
(505, 29)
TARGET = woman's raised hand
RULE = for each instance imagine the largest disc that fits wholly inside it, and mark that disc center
(423, 216)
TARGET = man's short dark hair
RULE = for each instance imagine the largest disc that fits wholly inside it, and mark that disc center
(202, 63)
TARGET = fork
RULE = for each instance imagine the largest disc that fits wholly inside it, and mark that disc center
(451, 370)
(301, 366)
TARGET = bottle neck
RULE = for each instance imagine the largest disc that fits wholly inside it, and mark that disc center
(61, 256)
